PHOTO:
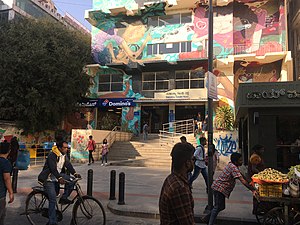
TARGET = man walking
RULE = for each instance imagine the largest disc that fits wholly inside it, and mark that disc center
(200, 163)
(176, 203)
(91, 147)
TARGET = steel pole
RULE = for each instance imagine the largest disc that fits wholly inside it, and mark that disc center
(210, 108)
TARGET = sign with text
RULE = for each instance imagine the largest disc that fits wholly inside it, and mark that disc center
(117, 102)
(212, 86)
(88, 103)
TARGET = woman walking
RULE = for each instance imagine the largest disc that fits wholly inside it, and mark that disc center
(104, 151)
(91, 147)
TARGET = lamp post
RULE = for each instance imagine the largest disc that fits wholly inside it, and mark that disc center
(210, 109)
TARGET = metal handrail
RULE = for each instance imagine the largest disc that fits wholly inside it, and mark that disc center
(110, 137)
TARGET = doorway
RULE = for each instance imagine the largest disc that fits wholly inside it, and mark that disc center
(155, 116)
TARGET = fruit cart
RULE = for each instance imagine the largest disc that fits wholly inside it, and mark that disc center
(274, 207)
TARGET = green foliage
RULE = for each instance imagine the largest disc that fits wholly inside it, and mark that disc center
(224, 118)
(41, 71)
(108, 122)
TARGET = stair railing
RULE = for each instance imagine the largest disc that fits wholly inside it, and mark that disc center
(172, 131)
(110, 137)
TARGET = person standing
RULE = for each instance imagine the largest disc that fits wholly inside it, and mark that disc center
(255, 165)
(224, 185)
(104, 151)
(51, 177)
(176, 203)
(145, 131)
(91, 147)
(200, 163)
(14, 148)
(5, 180)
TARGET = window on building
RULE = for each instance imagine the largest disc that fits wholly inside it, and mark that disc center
(180, 18)
(110, 82)
(169, 48)
(4, 16)
(31, 8)
(155, 81)
(189, 79)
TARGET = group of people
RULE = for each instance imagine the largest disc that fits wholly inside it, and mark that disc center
(176, 204)
(91, 147)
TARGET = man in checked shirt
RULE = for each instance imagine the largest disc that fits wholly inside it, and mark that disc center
(224, 185)
(176, 203)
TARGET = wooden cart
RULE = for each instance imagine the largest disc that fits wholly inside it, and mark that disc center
(278, 211)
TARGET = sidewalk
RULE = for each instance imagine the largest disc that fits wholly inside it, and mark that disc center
(142, 190)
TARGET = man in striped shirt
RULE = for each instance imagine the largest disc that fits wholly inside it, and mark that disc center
(224, 185)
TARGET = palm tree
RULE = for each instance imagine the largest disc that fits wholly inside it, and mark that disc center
(224, 118)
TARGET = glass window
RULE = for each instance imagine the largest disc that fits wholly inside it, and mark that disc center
(147, 86)
(117, 78)
(162, 76)
(162, 85)
(149, 76)
(170, 19)
(184, 84)
(182, 75)
(197, 83)
(104, 87)
(197, 74)
(116, 86)
(104, 78)
(186, 18)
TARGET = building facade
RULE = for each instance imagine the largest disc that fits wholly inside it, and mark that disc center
(294, 34)
(15, 9)
(151, 58)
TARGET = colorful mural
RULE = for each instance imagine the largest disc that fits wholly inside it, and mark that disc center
(79, 142)
(130, 115)
(241, 27)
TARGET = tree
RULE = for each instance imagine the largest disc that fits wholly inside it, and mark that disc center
(41, 71)
(224, 118)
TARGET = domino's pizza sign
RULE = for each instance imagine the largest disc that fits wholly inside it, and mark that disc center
(117, 102)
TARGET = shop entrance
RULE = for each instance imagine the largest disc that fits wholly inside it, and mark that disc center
(189, 112)
(155, 116)
(108, 118)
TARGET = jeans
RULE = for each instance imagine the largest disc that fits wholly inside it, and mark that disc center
(218, 207)
(2, 210)
(52, 189)
(145, 136)
(104, 157)
(196, 173)
(91, 159)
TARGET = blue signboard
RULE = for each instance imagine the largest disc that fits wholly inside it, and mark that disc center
(116, 102)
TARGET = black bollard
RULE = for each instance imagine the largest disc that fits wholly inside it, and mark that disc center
(15, 179)
(90, 183)
(121, 188)
(112, 195)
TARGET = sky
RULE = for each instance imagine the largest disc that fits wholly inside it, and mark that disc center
(75, 8)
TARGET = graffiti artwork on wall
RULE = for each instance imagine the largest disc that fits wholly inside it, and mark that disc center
(226, 142)
(79, 142)
(147, 34)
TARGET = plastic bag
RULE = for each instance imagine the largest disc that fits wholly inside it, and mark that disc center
(23, 160)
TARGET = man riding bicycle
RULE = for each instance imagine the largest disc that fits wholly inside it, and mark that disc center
(53, 175)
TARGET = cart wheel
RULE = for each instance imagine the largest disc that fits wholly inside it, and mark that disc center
(274, 217)
(261, 209)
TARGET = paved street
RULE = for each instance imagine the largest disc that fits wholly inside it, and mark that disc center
(142, 188)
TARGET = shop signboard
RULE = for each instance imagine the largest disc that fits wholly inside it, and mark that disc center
(117, 102)
(88, 103)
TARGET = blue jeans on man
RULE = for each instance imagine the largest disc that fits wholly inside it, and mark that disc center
(196, 173)
(52, 189)
(218, 207)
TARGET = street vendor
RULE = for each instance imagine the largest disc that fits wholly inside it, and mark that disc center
(255, 165)
(256, 162)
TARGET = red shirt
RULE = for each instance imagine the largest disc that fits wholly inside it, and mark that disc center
(226, 181)
(91, 145)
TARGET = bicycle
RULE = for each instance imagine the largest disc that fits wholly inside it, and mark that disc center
(86, 210)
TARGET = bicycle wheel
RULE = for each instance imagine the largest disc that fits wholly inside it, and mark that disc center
(274, 217)
(37, 208)
(88, 211)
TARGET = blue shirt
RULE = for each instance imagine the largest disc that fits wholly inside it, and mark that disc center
(5, 167)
